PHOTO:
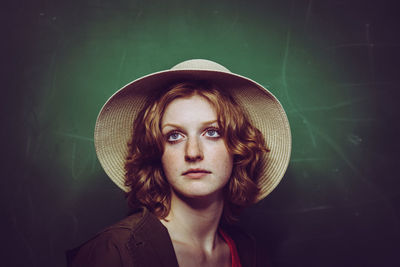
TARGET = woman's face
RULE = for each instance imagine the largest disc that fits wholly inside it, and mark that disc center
(196, 161)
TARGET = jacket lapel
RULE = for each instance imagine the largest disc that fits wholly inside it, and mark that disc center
(150, 244)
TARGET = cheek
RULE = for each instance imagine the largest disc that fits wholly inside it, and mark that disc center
(224, 160)
(168, 160)
(229, 166)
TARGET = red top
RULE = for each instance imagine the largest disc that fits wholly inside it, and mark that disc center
(232, 247)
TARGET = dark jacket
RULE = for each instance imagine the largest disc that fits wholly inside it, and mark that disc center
(141, 240)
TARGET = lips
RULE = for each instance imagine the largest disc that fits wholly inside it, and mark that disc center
(195, 173)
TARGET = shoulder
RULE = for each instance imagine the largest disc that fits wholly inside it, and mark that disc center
(239, 235)
(111, 246)
(251, 252)
(245, 244)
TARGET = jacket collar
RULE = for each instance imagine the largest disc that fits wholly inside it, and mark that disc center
(150, 237)
(150, 243)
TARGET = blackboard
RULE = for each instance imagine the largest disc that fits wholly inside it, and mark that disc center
(333, 64)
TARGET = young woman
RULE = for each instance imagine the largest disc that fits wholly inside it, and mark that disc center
(191, 146)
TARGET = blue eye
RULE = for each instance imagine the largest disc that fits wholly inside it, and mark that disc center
(212, 133)
(174, 136)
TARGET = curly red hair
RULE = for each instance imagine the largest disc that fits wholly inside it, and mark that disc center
(144, 172)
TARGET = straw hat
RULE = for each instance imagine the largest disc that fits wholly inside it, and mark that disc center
(114, 124)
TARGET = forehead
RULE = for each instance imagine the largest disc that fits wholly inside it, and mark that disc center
(191, 109)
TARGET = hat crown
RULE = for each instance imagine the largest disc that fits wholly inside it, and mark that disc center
(200, 64)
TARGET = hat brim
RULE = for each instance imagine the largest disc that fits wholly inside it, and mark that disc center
(114, 123)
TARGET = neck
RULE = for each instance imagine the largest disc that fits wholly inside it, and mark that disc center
(194, 220)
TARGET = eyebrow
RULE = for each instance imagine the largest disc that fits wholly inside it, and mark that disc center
(179, 127)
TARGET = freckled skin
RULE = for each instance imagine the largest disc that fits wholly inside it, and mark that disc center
(197, 165)
(192, 142)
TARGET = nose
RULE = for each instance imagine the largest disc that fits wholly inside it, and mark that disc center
(194, 151)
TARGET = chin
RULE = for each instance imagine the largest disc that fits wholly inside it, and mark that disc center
(199, 193)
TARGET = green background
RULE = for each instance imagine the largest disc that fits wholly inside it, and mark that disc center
(334, 65)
